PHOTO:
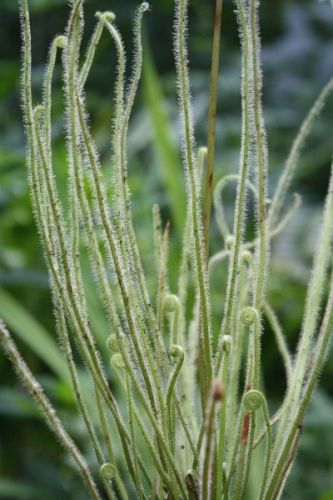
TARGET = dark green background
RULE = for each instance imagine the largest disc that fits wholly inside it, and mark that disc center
(297, 61)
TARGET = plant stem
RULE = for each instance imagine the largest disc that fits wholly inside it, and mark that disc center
(240, 214)
(46, 408)
(212, 122)
(191, 168)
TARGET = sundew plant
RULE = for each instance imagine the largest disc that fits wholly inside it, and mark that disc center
(180, 411)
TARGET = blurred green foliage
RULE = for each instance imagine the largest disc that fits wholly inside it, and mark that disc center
(298, 60)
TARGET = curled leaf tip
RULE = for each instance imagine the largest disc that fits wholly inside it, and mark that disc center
(248, 315)
(226, 342)
(253, 400)
(61, 41)
(247, 256)
(113, 343)
(38, 111)
(171, 303)
(176, 351)
(107, 471)
(145, 7)
(106, 16)
(117, 361)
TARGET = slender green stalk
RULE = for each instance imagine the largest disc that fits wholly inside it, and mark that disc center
(213, 93)
(280, 340)
(317, 363)
(72, 308)
(218, 204)
(259, 131)
(239, 216)
(61, 42)
(162, 276)
(291, 162)
(186, 428)
(237, 351)
(176, 352)
(268, 445)
(129, 102)
(130, 409)
(171, 483)
(94, 41)
(209, 449)
(251, 400)
(314, 298)
(36, 191)
(191, 169)
(114, 250)
(221, 450)
(63, 333)
(188, 378)
(46, 408)
(311, 318)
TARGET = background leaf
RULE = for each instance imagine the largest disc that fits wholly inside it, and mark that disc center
(32, 333)
(168, 156)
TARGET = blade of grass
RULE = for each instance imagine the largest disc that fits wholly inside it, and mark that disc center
(33, 334)
(169, 162)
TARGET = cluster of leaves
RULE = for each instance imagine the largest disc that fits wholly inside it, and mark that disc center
(144, 342)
